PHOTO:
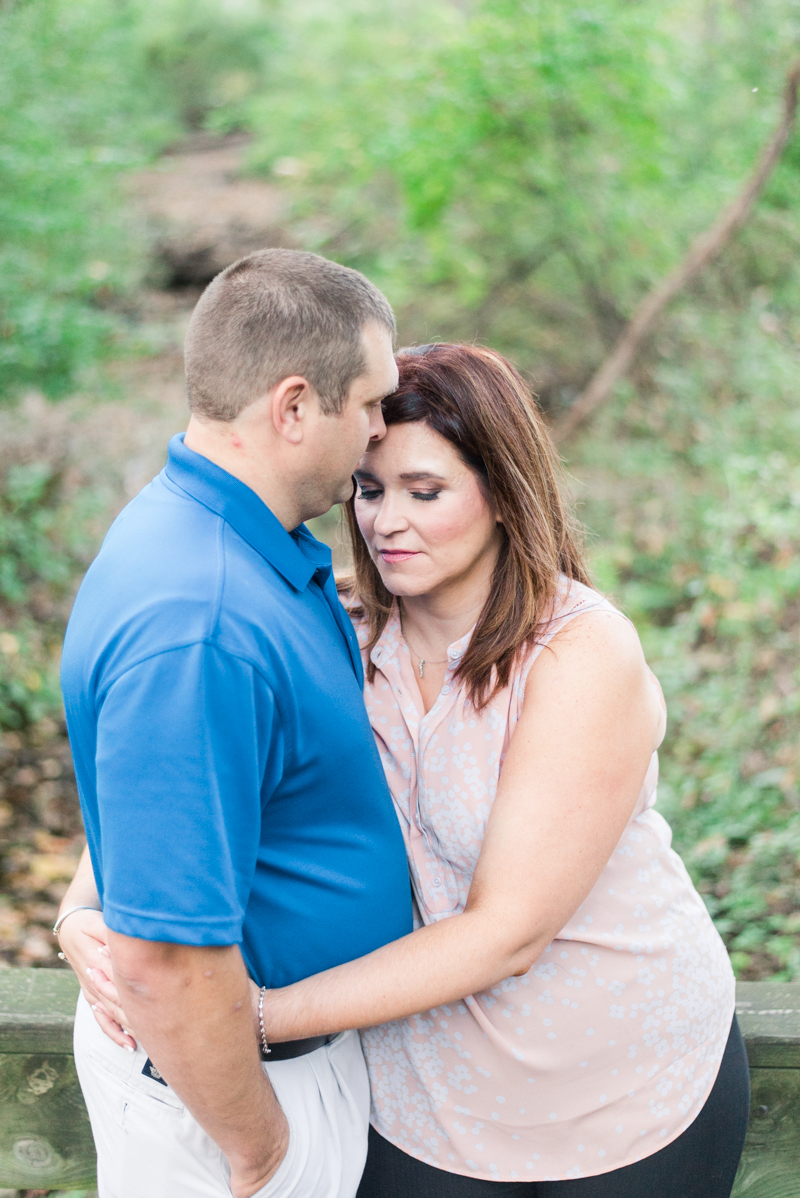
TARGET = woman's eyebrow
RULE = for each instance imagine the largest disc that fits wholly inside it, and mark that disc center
(364, 474)
(420, 475)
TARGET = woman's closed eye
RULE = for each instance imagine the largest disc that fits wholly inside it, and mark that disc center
(376, 492)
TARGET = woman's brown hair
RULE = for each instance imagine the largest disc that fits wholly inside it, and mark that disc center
(478, 402)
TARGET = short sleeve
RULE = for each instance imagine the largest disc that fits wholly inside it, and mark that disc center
(189, 748)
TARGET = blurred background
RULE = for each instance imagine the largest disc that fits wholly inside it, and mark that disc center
(513, 171)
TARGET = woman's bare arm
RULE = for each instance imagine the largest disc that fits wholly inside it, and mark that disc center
(574, 770)
(82, 890)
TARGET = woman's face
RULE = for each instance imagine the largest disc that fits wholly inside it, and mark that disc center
(423, 513)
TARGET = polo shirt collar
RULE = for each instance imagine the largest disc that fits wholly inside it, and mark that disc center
(245, 511)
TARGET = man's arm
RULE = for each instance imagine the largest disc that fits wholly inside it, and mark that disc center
(189, 748)
(189, 1006)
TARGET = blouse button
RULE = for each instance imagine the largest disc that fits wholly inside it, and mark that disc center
(437, 881)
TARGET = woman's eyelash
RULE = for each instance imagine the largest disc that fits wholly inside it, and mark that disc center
(374, 492)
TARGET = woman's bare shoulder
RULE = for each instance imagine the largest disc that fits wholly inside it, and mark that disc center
(601, 631)
(598, 644)
(596, 664)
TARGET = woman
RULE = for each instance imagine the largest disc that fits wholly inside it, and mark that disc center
(595, 1052)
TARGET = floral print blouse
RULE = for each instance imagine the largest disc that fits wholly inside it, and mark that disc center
(606, 1050)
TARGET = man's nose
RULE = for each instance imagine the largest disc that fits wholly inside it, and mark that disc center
(377, 424)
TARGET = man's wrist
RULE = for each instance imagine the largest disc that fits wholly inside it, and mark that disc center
(262, 1164)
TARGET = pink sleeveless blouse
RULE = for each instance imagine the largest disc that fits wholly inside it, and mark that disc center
(606, 1050)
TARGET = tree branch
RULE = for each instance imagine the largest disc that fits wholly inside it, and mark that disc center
(702, 250)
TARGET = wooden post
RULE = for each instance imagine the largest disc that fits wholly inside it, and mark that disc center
(45, 1137)
(769, 1014)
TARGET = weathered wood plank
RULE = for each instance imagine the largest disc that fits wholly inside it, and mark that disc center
(46, 1142)
(769, 1016)
(770, 1165)
(37, 1008)
(45, 1137)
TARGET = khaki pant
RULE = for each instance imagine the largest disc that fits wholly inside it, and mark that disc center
(150, 1146)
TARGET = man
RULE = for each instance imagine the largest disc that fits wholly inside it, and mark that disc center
(236, 813)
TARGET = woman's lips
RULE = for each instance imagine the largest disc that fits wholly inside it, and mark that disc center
(393, 556)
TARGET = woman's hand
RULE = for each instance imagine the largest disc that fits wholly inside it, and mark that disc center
(83, 937)
(84, 941)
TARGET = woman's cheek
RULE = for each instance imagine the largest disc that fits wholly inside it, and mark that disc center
(365, 520)
(453, 523)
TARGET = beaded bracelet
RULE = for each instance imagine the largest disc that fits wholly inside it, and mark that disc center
(265, 1048)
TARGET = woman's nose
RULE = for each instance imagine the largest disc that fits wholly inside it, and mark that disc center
(390, 518)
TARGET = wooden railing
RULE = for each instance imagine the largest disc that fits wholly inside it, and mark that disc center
(46, 1142)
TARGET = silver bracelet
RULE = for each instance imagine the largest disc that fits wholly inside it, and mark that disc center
(71, 911)
(265, 1048)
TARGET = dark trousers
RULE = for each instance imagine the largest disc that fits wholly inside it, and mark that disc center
(701, 1163)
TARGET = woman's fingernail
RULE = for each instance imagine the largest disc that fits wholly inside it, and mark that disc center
(94, 1006)
(90, 973)
(127, 1048)
(104, 951)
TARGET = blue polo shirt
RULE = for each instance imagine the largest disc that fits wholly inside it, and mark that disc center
(230, 785)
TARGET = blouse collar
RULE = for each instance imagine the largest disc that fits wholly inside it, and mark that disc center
(391, 643)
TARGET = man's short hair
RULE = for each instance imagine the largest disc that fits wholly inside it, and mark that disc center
(273, 314)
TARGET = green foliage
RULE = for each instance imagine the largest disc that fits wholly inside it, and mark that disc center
(514, 170)
(206, 54)
(692, 489)
(48, 527)
(523, 172)
(88, 90)
(71, 118)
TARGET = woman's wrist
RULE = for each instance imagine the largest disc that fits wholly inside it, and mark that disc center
(63, 914)
(274, 1016)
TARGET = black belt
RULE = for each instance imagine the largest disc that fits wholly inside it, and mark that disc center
(289, 1049)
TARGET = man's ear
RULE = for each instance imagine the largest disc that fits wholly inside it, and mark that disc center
(291, 400)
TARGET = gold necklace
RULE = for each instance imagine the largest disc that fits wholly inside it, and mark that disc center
(422, 660)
